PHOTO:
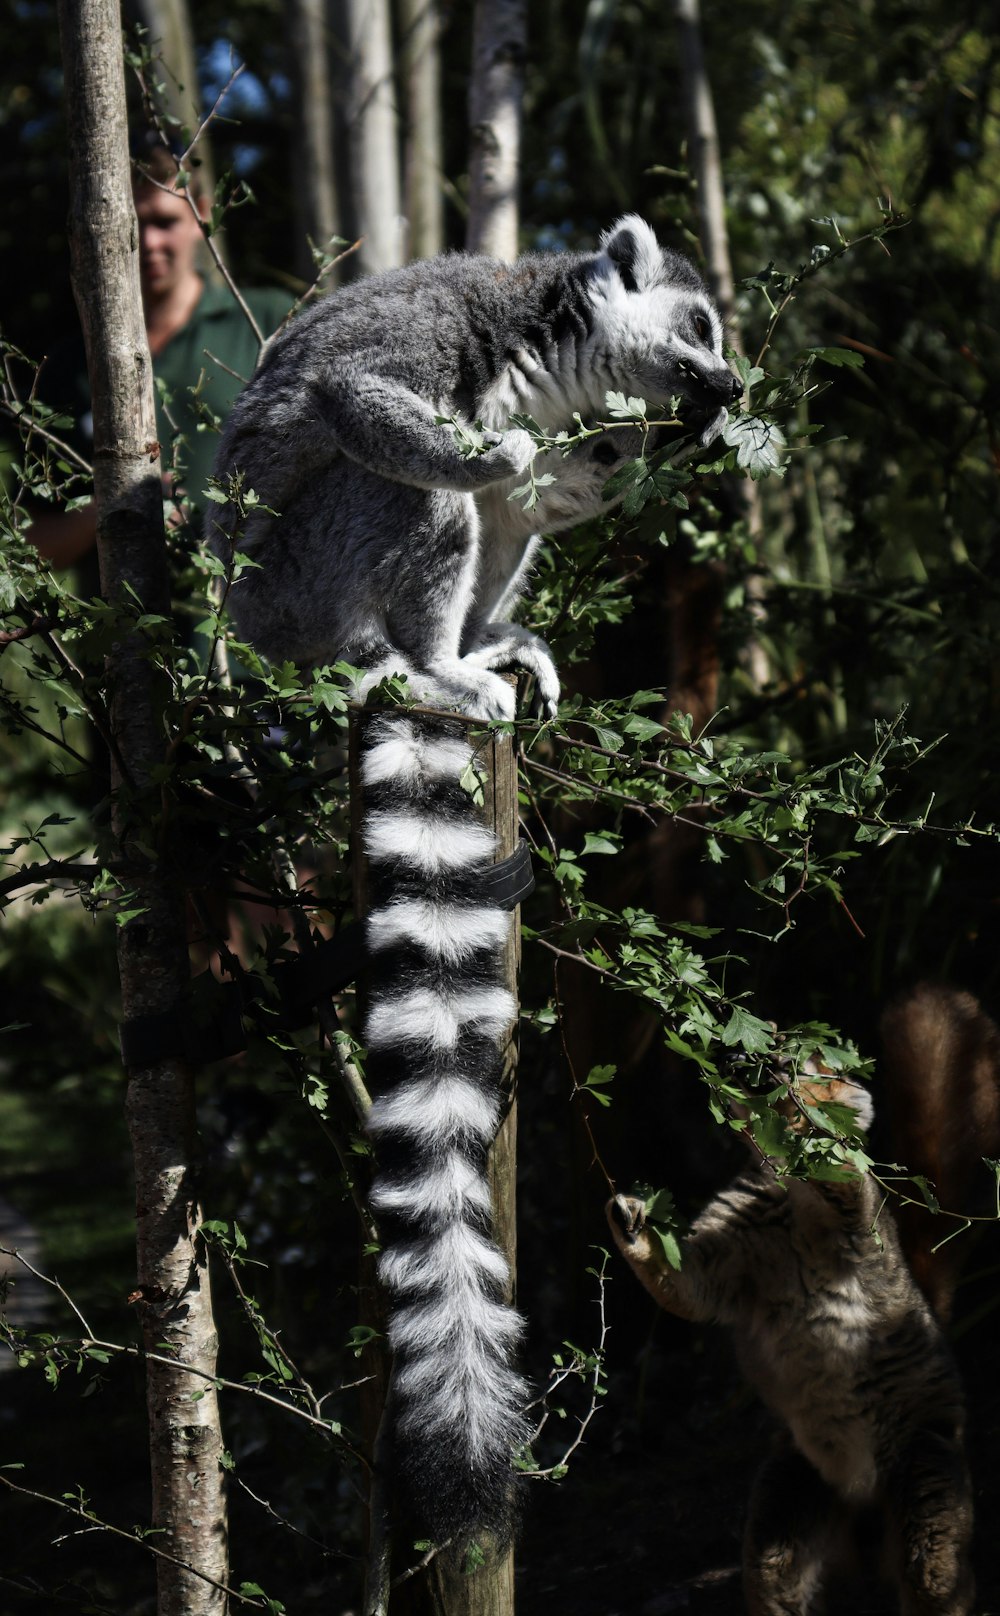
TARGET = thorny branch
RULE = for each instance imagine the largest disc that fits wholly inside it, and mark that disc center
(589, 1365)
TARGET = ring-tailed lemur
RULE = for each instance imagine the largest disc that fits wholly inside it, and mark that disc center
(399, 555)
(832, 1332)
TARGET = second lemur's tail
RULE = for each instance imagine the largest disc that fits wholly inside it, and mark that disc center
(941, 1077)
(438, 1008)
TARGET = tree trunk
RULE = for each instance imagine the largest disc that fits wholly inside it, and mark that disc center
(169, 25)
(424, 162)
(315, 187)
(706, 165)
(173, 1291)
(703, 150)
(372, 201)
(496, 86)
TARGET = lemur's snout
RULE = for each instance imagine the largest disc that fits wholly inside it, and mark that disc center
(737, 388)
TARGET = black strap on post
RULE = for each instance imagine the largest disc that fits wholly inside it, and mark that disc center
(512, 880)
(331, 965)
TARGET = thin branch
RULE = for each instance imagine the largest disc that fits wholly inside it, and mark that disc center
(35, 429)
(33, 874)
(57, 741)
(421, 1565)
(282, 1520)
(315, 285)
(579, 1088)
(210, 116)
(38, 625)
(95, 1524)
(11, 1251)
(561, 1376)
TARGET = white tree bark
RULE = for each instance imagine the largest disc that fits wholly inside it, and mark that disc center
(372, 133)
(173, 1290)
(496, 89)
(706, 164)
(420, 23)
(169, 25)
(315, 181)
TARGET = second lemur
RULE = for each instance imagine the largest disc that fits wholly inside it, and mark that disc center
(831, 1331)
(387, 547)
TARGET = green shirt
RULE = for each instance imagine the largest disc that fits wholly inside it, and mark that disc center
(202, 368)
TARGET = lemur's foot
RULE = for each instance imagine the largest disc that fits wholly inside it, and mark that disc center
(460, 685)
(505, 645)
(626, 1214)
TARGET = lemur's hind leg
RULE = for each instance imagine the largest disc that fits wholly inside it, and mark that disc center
(791, 1533)
(433, 585)
(929, 1518)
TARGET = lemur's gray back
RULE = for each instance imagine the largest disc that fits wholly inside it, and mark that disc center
(447, 328)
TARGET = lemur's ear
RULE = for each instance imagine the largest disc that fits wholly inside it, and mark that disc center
(635, 252)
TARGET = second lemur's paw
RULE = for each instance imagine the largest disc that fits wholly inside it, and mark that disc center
(626, 1215)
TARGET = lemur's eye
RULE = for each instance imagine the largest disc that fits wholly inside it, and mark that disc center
(702, 329)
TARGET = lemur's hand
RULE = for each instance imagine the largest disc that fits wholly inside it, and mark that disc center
(511, 453)
(626, 1215)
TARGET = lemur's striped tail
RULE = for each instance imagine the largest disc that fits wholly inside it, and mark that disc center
(437, 1010)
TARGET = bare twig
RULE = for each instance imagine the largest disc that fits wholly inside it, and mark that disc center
(140, 1542)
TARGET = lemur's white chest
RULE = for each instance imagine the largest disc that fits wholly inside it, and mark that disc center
(551, 387)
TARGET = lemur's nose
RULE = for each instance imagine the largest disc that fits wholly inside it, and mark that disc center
(737, 388)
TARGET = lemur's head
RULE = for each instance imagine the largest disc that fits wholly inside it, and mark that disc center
(809, 1092)
(658, 318)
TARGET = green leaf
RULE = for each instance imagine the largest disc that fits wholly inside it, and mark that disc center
(643, 728)
(625, 478)
(598, 842)
(838, 356)
(671, 1245)
(770, 1131)
(599, 1075)
(749, 1031)
(621, 408)
(758, 444)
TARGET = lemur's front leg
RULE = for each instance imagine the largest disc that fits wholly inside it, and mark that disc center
(646, 1257)
(393, 432)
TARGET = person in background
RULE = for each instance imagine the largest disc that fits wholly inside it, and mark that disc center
(203, 349)
(202, 345)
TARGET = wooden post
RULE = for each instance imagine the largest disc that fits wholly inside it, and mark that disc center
(444, 1590)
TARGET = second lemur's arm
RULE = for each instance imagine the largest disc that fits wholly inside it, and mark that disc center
(709, 1284)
